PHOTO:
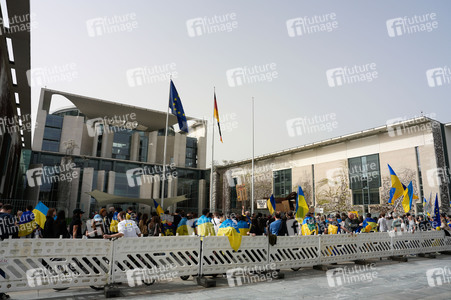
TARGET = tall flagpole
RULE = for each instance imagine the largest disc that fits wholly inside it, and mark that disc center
(253, 132)
(164, 151)
(212, 153)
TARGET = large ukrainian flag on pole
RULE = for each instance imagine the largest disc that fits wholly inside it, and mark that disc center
(271, 203)
(301, 206)
(407, 198)
(397, 188)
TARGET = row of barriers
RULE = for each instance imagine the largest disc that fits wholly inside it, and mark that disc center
(62, 263)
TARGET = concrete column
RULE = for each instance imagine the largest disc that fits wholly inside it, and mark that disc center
(134, 147)
(33, 184)
(201, 153)
(201, 193)
(145, 190)
(86, 186)
(73, 197)
(156, 186)
(152, 147)
(100, 180)
(107, 142)
(180, 149)
(111, 181)
(72, 130)
(174, 191)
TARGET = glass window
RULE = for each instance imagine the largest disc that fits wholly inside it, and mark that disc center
(282, 183)
(143, 147)
(364, 179)
(121, 145)
(50, 146)
(54, 121)
(53, 134)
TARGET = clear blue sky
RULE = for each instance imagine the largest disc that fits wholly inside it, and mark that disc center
(260, 37)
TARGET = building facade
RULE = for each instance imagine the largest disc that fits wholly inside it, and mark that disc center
(15, 104)
(116, 149)
(349, 172)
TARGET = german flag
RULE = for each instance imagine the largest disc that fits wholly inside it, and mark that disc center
(216, 115)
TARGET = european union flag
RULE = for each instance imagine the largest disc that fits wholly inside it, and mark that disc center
(437, 220)
(175, 104)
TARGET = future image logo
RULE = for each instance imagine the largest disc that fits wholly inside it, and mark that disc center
(410, 25)
(248, 75)
(438, 76)
(349, 75)
(312, 24)
(210, 25)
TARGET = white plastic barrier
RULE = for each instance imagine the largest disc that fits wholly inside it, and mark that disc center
(295, 251)
(155, 257)
(62, 263)
(53, 263)
(218, 256)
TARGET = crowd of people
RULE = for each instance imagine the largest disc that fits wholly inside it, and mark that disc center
(115, 223)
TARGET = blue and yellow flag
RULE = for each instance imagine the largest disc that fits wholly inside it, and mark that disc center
(158, 208)
(182, 228)
(271, 202)
(243, 227)
(27, 223)
(407, 198)
(205, 227)
(175, 104)
(301, 205)
(397, 188)
(229, 228)
(369, 225)
(437, 220)
(40, 214)
(309, 226)
(114, 222)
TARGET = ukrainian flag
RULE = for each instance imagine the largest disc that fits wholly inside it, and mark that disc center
(369, 225)
(114, 222)
(158, 208)
(332, 229)
(271, 204)
(26, 223)
(301, 205)
(230, 229)
(309, 226)
(40, 214)
(205, 227)
(397, 188)
(407, 198)
(243, 227)
(182, 228)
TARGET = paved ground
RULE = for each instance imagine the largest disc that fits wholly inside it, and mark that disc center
(385, 279)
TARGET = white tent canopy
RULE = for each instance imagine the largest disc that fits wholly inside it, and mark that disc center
(105, 198)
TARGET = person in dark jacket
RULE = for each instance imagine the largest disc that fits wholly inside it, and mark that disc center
(60, 225)
(75, 225)
(49, 229)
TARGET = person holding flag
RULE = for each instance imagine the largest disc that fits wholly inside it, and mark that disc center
(369, 224)
(309, 225)
(243, 225)
(204, 226)
(230, 229)
(182, 227)
(27, 224)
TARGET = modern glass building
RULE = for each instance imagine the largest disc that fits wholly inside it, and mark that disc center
(115, 149)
